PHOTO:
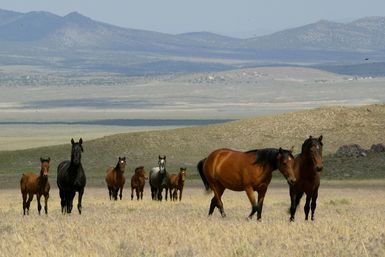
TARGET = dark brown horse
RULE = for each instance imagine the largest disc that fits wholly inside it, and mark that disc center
(115, 179)
(307, 167)
(33, 184)
(175, 183)
(138, 181)
(244, 171)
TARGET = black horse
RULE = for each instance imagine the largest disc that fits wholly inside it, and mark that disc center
(71, 178)
(158, 179)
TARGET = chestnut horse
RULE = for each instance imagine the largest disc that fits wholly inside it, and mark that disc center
(137, 182)
(307, 167)
(33, 184)
(244, 171)
(176, 182)
(115, 179)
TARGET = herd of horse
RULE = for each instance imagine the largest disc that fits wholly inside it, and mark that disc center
(223, 168)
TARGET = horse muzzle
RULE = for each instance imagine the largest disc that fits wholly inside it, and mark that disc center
(291, 181)
(319, 168)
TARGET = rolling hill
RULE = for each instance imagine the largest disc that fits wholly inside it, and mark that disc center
(339, 125)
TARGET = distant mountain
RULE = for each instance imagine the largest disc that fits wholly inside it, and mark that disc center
(74, 41)
(367, 34)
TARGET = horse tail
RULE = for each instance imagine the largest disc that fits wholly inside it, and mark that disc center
(203, 177)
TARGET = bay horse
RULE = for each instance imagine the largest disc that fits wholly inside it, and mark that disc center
(175, 183)
(244, 171)
(115, 179)
(71, 178)
(138, 181)
(33, 184)
(307, 167)
(158, 179)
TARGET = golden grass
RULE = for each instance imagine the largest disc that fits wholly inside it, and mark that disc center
(349, 222)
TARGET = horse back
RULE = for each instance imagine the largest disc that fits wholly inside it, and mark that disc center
(28, 181)
(234, 169)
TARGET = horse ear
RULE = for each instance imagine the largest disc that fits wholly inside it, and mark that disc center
(292, 149)
(49, 159)
(124, 158)
(320, 138)
(80, 141)
(310, 137)
(159, 157)
(41, 159)
(72, 141)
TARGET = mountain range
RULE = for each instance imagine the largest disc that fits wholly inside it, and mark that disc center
(74, 41)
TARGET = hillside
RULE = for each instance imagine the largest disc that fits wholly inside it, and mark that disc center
(76, 42)
(339, 125)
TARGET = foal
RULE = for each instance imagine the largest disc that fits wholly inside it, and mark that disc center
(115, 179)
(137, 182)
(176, 182)
(33, 184)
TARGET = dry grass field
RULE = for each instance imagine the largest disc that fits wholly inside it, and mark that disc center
(349, 222)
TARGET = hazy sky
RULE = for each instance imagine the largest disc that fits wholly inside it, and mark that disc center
(240, 18)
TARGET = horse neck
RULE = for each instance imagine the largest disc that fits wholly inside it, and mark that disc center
(41, 179)
(180, 181)
(306, 165)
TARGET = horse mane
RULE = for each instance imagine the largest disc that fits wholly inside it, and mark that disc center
(138, 169)
(117, 166)
(308, 142)
(265, 156)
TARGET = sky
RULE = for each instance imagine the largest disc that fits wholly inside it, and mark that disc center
(237, 18)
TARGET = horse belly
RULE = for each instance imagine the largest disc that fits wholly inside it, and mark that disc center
(231, 182)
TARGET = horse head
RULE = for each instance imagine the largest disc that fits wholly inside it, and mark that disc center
(76, 153)
(285, 165)
(312, 150)
(182, 174)
(121, 165)
(44, 164)
(162, 164)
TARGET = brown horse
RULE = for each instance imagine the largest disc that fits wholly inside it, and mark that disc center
(115, 179)
(137, 182)
(176, 182)
(307, 167)
(244, 171)
(33, 184)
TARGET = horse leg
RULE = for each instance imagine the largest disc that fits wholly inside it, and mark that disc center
(295, 199)
(80, 197)
(62, 200)
(261, 197)
(137, 193)
(38, 196)
(24, 202)
(110, 192)
(251, 196)
(218, 192)
(69, 200)
(121, 192)
(180, 194)
(132, 193)
(30, 197)
(307, 206)
(314, 203)
(141, 194)
(46, 196)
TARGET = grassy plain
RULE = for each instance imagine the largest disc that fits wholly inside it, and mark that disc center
(349, 222)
